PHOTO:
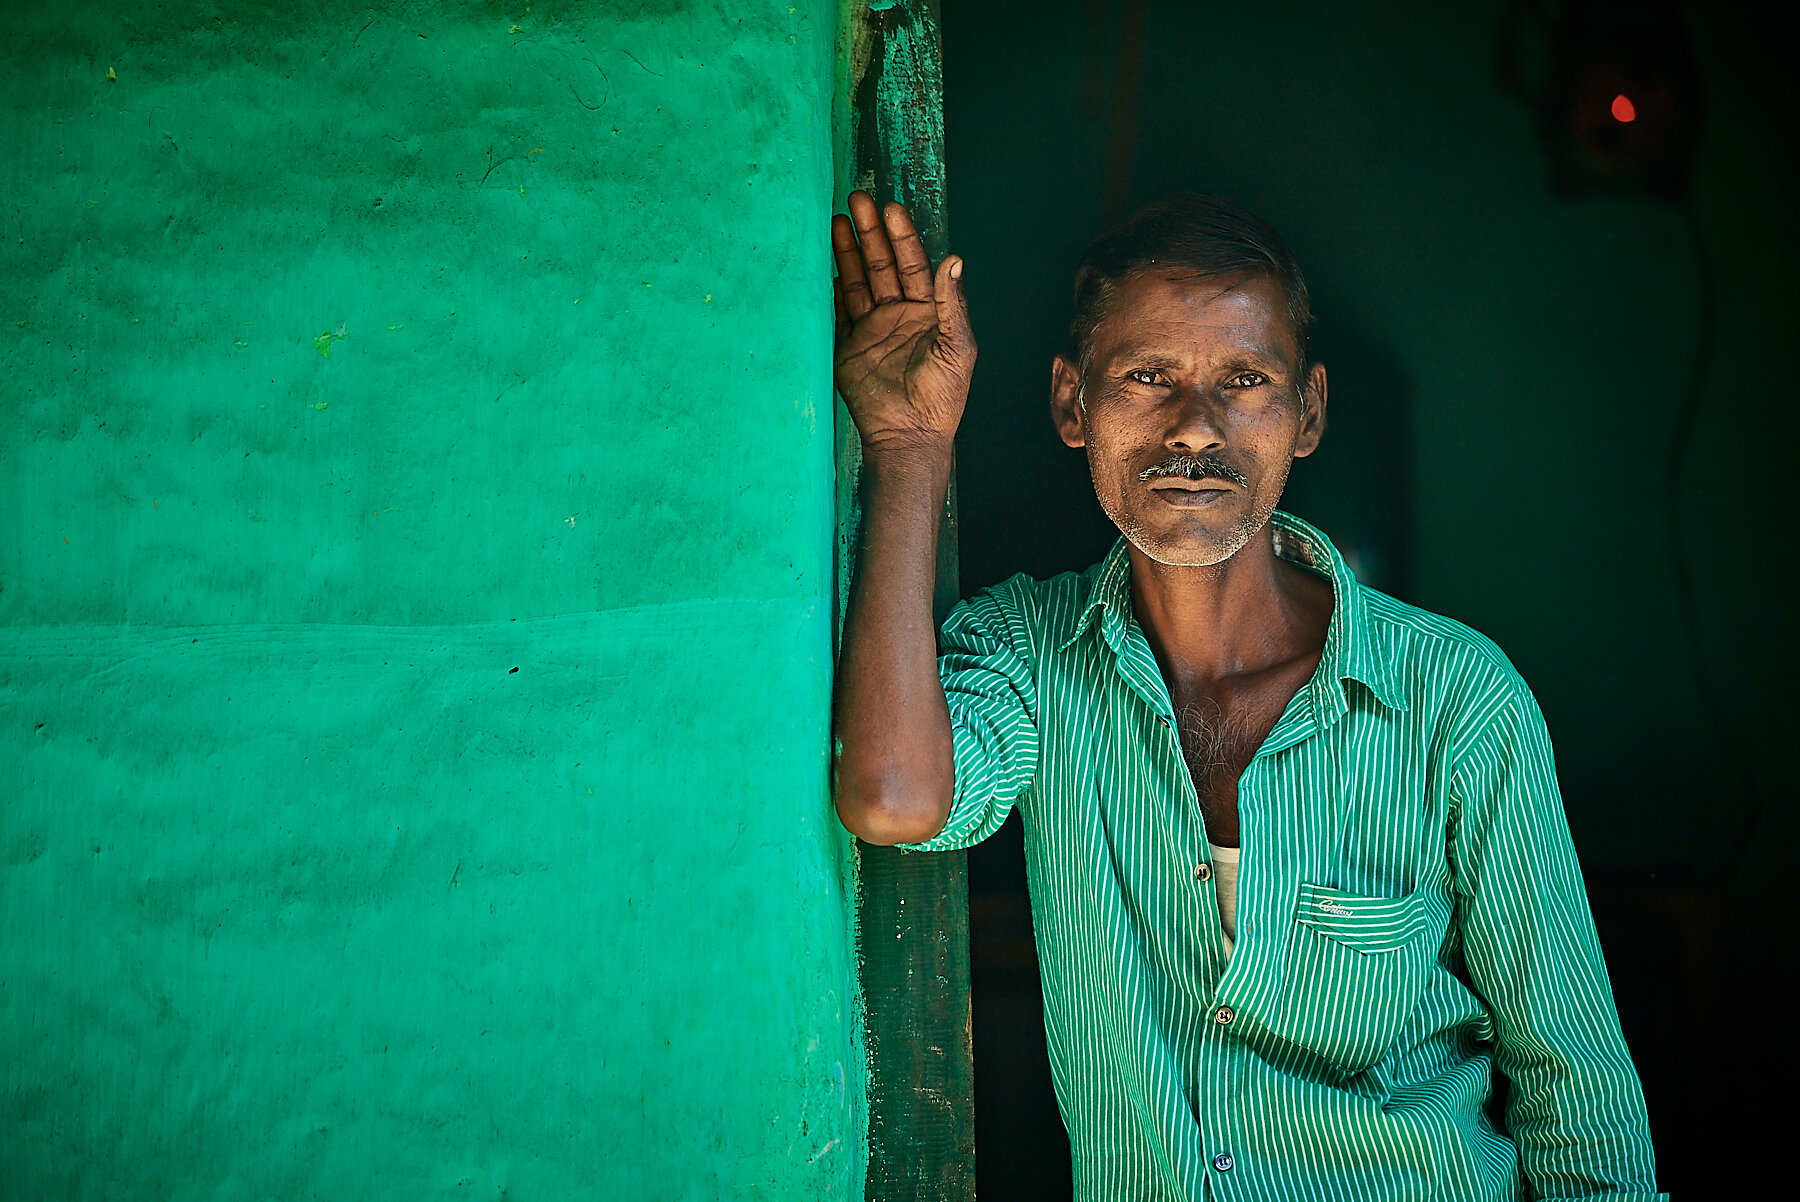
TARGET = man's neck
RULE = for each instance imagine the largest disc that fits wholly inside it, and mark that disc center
(1252, 612)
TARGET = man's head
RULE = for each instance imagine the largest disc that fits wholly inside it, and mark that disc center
(1187, 380)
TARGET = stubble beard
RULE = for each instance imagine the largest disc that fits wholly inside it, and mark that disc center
(1156, 548)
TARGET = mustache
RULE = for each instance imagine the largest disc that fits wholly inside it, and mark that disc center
(1194, 467)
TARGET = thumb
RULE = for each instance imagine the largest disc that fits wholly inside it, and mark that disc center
(952, 309)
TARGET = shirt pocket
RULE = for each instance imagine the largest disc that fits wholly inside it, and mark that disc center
(1356, 970)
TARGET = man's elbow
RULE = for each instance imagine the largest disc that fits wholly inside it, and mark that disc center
(886, 814)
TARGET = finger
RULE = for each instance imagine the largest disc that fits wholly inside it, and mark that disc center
(909, 253)
(955, 338)
(840, 308)
(878, 255)
(850, 268)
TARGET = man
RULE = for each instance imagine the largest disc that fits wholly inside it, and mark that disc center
(1300, 878)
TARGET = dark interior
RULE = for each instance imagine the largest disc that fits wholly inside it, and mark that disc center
(1559, 412)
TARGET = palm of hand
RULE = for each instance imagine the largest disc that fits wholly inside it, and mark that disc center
(890, 373)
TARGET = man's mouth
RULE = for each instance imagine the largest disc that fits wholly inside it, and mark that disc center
(1190, 480)
(1187, 494)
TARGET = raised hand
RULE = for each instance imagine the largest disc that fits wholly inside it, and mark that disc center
(904, 350)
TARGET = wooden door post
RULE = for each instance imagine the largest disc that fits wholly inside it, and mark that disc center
(912, 909)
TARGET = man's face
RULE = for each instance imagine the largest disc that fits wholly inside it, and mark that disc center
(1192, 409)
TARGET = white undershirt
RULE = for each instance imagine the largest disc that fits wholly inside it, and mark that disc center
(1225, 878)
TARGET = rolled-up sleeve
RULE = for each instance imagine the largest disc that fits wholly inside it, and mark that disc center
(985, 667)
(1576, 1109)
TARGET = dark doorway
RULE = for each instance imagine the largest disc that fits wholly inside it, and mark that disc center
(1514, 349)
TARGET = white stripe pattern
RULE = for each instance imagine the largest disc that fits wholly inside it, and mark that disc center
(1410, 915)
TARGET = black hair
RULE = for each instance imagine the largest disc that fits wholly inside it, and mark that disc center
(1208, 235)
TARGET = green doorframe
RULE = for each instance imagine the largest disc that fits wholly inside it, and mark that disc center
(912, 910)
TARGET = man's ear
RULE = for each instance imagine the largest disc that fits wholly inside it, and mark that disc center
(1065, 402)
(1312, 422)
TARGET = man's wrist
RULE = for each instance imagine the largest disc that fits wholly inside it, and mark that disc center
(925, 456)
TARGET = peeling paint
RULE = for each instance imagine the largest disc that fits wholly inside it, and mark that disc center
(890, 129)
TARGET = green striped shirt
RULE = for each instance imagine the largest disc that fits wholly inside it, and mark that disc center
(1410, 915)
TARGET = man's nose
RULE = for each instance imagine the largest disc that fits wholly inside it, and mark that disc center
(1196, 424)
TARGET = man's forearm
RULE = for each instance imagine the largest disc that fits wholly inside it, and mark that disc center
(895, 770)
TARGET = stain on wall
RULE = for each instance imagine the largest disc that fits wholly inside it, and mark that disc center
(416, 516)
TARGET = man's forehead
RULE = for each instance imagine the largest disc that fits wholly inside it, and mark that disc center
(1175, 308)
(1236, 292)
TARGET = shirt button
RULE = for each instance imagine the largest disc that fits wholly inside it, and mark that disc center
(1203, 871)
(1223, 1162)
(1223, 1016)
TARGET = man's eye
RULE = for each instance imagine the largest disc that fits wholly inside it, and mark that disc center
(1248, 379)
(1144, 377)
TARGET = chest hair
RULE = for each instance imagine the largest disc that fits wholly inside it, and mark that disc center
(1218, 743)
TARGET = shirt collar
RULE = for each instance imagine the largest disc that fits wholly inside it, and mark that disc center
(1109, 596)
(1353, 649)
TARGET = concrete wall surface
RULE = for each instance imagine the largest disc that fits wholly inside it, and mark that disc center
(415, 595)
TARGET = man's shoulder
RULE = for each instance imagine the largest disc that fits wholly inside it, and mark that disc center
(1043, 611)
(1434, 654)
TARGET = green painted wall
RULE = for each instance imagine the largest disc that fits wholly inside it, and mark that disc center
(416, 519)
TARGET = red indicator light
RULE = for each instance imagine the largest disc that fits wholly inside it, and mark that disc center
(1623, 110)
